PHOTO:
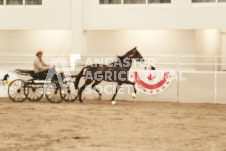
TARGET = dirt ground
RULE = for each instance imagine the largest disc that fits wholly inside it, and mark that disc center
(100, 126)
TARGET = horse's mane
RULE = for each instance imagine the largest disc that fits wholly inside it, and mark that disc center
(122, 57)
(126, 54)
(119, 58)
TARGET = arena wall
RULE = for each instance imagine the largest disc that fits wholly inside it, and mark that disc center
(83, 15)
(110, 43)
(26, 42)
(148, 42)
(181, 14)
(169, 95)
(53, 14)
(196, 87)
(58, 14)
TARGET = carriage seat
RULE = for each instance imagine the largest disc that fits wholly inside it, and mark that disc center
(24, 72)
(29, 73)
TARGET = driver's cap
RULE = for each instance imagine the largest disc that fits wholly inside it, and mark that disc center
(39, 51)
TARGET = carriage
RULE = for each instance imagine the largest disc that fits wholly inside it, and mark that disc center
(34, 89)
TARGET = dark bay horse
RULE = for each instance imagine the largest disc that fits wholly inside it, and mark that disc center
(114, 72)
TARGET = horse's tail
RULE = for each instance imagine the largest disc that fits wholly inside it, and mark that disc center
(79, 77)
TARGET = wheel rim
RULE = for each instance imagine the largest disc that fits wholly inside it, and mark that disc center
(53, 94)
(16, 91)
(35, 92)
(70, 93)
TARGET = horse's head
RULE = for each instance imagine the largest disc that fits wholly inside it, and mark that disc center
(135, 54)
(150, 68)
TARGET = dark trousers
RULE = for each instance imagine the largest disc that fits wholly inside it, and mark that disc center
(48, 75)
(52, 75)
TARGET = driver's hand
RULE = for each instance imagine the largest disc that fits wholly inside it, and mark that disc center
(51, 67)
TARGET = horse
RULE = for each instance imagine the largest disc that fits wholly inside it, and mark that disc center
(5, 80)
(115, 72)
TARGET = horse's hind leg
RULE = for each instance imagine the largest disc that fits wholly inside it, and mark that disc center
(82, 88)
(94, 87)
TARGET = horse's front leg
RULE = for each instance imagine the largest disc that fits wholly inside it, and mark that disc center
(135, 90)
(94, 87)
(116, 91)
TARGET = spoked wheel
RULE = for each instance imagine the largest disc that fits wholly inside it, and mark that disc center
(16, 90)
(53, 93)
(34, 92)
(69, 94)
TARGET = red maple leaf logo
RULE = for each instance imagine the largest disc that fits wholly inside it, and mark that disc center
(150, 77)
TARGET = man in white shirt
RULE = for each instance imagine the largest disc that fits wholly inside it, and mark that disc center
(42, 69)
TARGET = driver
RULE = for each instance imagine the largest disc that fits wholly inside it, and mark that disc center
(41, 68)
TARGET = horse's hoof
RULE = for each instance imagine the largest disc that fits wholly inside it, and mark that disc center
(113, 102)
(99, 98)
(80, 101)
(133, 95)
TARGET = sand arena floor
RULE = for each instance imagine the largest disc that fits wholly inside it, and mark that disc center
(100, 126)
